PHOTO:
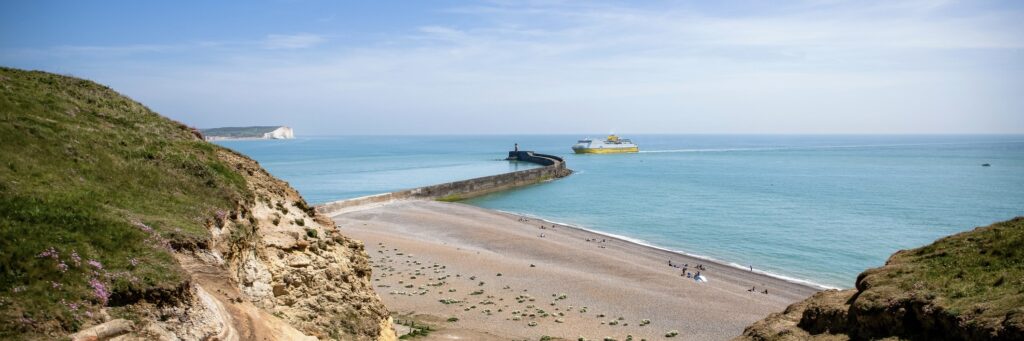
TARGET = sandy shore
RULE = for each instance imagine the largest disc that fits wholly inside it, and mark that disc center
(502, 280)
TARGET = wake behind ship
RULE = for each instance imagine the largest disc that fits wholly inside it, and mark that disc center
(613, 144)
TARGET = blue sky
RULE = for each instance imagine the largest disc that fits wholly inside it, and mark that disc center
(440, 67)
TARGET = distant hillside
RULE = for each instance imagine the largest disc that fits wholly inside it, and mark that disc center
(113, 215)
(969, 286)
(256, 132)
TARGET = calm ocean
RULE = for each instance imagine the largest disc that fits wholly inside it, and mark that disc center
(814, 208)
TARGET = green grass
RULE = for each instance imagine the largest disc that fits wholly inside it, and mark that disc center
(85, 170)
(976, 275)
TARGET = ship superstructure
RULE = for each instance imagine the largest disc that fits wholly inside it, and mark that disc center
(612, 144)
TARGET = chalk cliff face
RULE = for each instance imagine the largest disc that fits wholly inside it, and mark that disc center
(273, 269)
(969, 286)
(252, 132)
(290, 261)
(116, 222)
(280, 133)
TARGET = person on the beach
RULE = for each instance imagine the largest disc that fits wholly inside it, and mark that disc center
(751, 268)
(752, 289)
(765, 291)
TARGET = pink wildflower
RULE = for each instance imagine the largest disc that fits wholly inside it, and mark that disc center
(96, 264)
(134, 262)
(100, 290)
(63, 267)
(52, 253)
(55, 285)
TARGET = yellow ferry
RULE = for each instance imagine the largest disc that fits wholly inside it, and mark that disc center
(613, 144)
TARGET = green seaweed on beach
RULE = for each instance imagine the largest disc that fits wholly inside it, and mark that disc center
(451, 198)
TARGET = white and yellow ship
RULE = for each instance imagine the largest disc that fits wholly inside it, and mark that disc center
(613, 144)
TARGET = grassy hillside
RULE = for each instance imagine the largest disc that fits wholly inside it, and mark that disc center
(978, 274)
(968, 286)
(95, 189)
(239, 132)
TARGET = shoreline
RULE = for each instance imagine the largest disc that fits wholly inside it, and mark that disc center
(487, 263)
(643, 243)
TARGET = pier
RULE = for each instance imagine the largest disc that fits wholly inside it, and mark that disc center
(553, 168)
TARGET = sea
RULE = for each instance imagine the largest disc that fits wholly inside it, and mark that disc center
(818, 209)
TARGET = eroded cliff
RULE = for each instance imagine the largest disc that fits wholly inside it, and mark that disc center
(969, 286)
(116, 222)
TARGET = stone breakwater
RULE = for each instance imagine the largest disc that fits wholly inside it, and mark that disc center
(554, 167)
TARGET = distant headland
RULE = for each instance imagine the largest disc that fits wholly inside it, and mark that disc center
(248, 133)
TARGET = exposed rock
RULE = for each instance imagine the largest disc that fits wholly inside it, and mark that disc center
(298, 260)
(954, 289)
(289, 268)
(259, 267)
(104, 331)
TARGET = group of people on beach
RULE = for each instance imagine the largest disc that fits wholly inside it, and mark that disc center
(685, 267)
(754, 289)
(595, 240)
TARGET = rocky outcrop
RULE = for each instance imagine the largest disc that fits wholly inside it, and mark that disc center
(104, 331)
(272, 269)
(292, 262)
(967, 286)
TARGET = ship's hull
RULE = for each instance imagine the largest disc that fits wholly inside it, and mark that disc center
(605, 150)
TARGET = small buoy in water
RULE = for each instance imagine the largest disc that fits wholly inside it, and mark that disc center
(986, 165)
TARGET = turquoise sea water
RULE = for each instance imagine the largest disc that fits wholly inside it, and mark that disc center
(815, 208)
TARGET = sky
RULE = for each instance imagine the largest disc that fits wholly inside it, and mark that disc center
(544, 67)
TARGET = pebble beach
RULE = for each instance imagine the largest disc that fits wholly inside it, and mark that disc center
(477, 274)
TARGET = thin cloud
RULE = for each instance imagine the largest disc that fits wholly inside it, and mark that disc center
(293, 41)
(820, 66)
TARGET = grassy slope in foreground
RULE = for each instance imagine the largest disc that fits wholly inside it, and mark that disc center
(84, 175)
(968, 286)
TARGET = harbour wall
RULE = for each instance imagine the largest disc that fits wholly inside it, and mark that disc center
(554, 167)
